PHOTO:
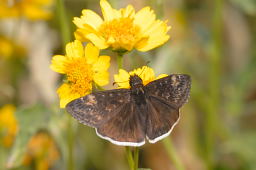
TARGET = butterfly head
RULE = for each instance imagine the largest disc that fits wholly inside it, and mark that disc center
(135, 81)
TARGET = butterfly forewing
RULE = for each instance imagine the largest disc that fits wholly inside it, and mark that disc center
(97, 108)
(173, 89)
(114, 115)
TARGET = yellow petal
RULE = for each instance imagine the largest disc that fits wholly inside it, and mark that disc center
(58, 63)
(161, 76)
(153, 43)
(145, 73)
(79, 22)
(158, 28)
(88, 18)
(122, 76)
(142, 42)
(75, 49)
(122, 79)
(83, 27)
(97, 40)
(66, 95)
(102, 64)
(144, 18)
(154, 30)
(101, 78)
(136, 72)
(157, 36)
(91, 18)
(80, 35)
(128, 11)
(107, 11)
(91, 53)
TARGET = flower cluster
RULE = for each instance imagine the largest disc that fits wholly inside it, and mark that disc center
(31, 9)
(120, 30)
(8, 125)
(42, 151)
(82, 66)
(10, 49)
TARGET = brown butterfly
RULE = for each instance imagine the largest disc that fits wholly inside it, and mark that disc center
(128, 116)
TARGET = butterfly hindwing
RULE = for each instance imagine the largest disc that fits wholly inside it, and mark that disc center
(97, 108)
(161, 118)
(126, 128)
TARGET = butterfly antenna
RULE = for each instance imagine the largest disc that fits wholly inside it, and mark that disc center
(119, 82)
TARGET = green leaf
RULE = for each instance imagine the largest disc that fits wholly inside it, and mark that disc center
(31, 120)
(60, 126)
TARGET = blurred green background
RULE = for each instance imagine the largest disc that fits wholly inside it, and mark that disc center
(213, 41)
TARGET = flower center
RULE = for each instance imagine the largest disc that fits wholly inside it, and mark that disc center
(80, 76)
(120, 33)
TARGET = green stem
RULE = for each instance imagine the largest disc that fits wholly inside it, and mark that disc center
(120, 60)
(136, 158)
(172, 154)
(133, 158)
(64, 26)
(70, 163)
(66, 37)
(212, 120)
(129, 157)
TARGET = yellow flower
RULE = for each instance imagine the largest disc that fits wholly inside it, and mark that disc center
(123, 29)
(8, 125)
(6, 49)
(145, 73)
(9, 48)
(32, 9)
(82, 67)
(42, 150)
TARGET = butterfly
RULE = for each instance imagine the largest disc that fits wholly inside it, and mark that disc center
(130, 116)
